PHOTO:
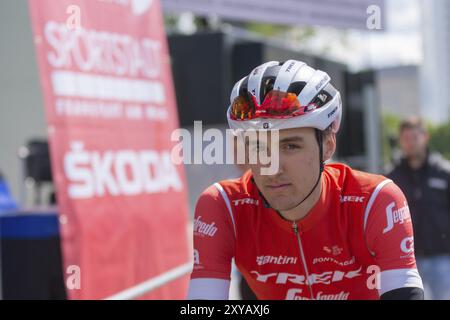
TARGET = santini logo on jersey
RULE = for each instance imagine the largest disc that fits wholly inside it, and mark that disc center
(400, 216)
(203, 228)
(262, 260)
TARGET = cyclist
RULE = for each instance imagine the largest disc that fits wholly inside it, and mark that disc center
(310, 230)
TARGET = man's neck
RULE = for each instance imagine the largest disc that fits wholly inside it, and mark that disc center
(418, 161)
(302, 210)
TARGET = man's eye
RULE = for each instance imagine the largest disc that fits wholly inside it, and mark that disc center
(291, 147)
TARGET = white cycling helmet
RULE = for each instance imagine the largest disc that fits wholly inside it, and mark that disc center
(283, 96)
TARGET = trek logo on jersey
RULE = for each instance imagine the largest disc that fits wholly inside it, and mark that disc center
(295, 294)
(203, 228)
(399, 216)
(352, 199)
(323, 278)
(407, 245)
(246, 201)
(282, 260)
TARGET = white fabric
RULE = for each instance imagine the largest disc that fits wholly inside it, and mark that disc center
(399, 278)
(208, 289)
(227, 203)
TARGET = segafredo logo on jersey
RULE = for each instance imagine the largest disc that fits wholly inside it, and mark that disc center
(323, 278)
(399, 216)
(203, 228)
(246, 201)
(295, 294)
(262, 260)
(118, 173)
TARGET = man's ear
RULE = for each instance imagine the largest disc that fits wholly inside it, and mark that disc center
(329, 146)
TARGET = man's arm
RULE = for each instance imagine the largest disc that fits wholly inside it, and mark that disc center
(213, 247)
(410, 293)
(389, 235)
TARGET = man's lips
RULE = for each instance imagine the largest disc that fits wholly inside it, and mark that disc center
(278, 186)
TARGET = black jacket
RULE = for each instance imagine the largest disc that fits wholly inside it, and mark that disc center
(428, 193)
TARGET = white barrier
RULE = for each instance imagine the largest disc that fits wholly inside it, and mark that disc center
(153, 283)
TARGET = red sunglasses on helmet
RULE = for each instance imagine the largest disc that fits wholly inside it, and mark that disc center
(277, 105)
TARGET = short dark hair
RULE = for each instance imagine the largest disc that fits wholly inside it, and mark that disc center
(413, 122)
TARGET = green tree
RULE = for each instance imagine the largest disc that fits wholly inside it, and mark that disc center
(390, 123)
(440, 139)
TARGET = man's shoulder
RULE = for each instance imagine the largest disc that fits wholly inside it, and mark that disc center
(227, 187)
(353, 180)
(237, 185)
(438, 162)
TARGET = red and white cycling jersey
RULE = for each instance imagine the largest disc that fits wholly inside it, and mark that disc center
(355, 243)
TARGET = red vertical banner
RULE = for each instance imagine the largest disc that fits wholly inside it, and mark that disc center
(111, 109)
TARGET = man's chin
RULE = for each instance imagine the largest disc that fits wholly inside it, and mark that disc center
(277, 205)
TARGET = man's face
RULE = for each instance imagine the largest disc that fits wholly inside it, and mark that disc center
(413, 142)
(298, 168)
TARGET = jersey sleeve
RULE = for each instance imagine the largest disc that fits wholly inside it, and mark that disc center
(390, 239)
(213, 247)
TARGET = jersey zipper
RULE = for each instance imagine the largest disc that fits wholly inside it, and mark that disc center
(297, 233)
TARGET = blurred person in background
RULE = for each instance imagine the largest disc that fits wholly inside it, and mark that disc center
(424, 177)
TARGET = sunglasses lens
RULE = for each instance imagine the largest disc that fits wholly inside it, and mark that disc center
(242, 108)
(277, 104)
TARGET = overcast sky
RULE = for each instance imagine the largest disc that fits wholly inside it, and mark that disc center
(400, 44)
